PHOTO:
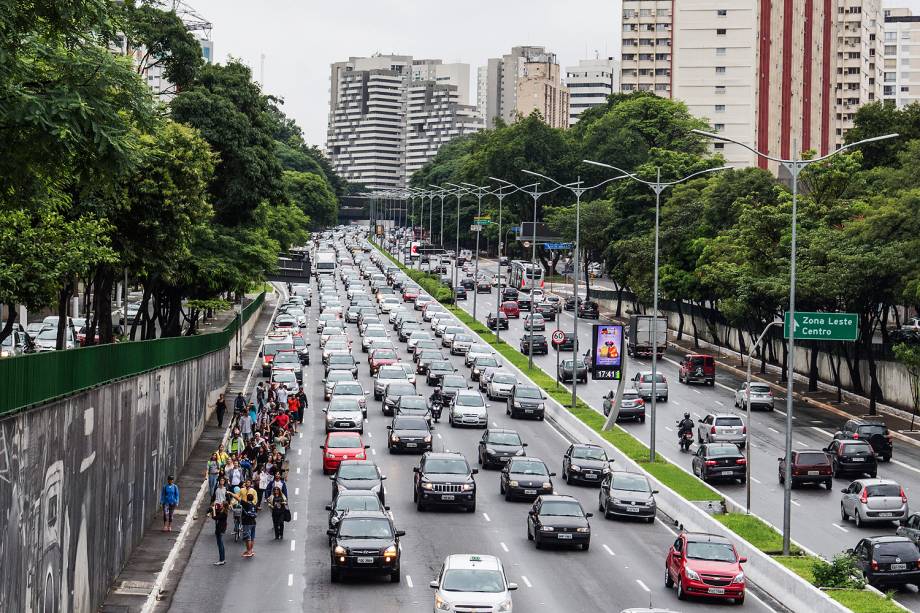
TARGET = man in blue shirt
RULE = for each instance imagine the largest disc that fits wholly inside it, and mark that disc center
(169, 498)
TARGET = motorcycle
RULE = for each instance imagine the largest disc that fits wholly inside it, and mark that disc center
(685, 439)
(436, 405)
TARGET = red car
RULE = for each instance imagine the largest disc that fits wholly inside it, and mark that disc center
(410, 294)
(381, 357)
(342, 446)
(510, 308)
(705, 565)
(697, 368)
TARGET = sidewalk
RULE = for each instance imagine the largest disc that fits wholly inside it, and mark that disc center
(138, 579)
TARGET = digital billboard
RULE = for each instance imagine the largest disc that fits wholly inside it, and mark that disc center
(607, 352)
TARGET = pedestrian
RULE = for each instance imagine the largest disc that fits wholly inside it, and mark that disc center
(281, 396)
(278, 483)
(246, 490)
(220, 408)
(293, 409)
(237, 444)
(253, 415)
(277, 502)
(212, 472)
(245, 424)
(220, 491)
(249, 524)
(260, 395)
(282, 420)
(219, 515)
(222, 456)
(239, 405)
(265, 478)
(169, 498)
(302, 397)
(236, 474)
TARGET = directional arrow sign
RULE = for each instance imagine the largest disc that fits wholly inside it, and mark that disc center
(823, 326)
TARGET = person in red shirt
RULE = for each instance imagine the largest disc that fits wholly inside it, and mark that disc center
(282, 420)
(294, 409)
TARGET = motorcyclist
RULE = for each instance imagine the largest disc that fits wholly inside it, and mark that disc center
(436, 403)
(685, 425)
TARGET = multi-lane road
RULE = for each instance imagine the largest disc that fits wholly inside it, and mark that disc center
(624, 567)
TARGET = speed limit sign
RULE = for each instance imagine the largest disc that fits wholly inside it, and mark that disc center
(557, 337)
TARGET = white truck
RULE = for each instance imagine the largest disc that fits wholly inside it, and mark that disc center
(324, 263)
(639, 340)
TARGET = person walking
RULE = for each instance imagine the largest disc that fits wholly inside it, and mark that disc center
(265, 479)
(245, 424)
(248, 521)
(281, 396)
(236, 475)
(220, 491)
(277, 502)
(220, 408)
(169, 498)
(237, 444)
(302, 397)
(260, 395)
(212, 472)
(239, 405)
(278, 484)
(219, 515)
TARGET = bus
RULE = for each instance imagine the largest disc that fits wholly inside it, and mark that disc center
(524, 276)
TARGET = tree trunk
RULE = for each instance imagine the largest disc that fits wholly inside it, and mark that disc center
(140, 318)
(785, 365)
(813, 367)
(853, 367)
(619, 312)
(104, 284)
(63, 299)
(696, 332)
(587, 280)
(680, 319)
(835, 369)
(10, 321)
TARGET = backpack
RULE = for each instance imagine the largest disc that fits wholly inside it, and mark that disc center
(250, 511)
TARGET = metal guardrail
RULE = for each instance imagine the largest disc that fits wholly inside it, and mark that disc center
(39, 377)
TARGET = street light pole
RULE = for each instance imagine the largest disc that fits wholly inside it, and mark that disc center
(480, 192)
(747, 391)
(441, 193)
(656, 186)
(459, 193)
(794, 166)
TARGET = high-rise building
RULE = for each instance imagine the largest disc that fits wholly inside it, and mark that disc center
(645, 61)
(389, 114)
(520, 82)
(590, 84)
(901, 75)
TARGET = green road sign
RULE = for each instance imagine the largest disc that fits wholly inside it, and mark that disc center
(482, 222)
(823, 326)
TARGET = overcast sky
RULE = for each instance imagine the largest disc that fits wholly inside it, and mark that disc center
(301, 38)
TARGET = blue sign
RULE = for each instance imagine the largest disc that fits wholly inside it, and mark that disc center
(516, 229)
(557, 246)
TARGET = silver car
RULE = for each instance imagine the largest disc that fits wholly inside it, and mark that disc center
(468, 409)
(461, 344)
(873, 500)
(760, 396)
(334, 377)
(385, 376)
(476, 350)
(642, 383)
(539, 323)
(344, 413)
(722, 428)
(500, 384)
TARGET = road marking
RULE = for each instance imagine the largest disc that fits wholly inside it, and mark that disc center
(720, 403)
(608, 550)
(642, 585)
(504, 547)
(290, 580)
(494, 424)
(293, 544)
(300, 452)
(795, 503)
(439, 435)
(300, 435)
(668, 429)
(373, 452)
(755, 479)
(296, 491)
(822, 431)
(526, 581)
(409, 581)
(903, 465)
(801, 443)
(773, 429)
(370, 435)
(839, 527)
(486, 516)
(698, 392)
(294, 517)
(298, 470)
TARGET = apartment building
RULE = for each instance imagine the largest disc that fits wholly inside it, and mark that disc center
(860, 30)
(901, 52)
(436, 114)
(645, 60)
(590, 83)
(527, 79)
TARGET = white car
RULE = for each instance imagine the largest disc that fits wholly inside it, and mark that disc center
(447, 339)
(476, 350)
(410, 371)
(468, 409)
(499, 383)
(415, 337)
(344, 414)
(385, 376)
(388, 304)
(476, 581)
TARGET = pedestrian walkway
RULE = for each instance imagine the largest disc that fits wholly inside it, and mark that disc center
(138, 579)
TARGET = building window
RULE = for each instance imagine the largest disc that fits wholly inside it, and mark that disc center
(905, 89)
(890, 37)
(891, 49)
(720, 51)
(718, 145)
(720, 89)
(718, 127)
(721, 12)
(645, 12)
(720, 31)
(720, 69)
(720, 108)
(661, 87)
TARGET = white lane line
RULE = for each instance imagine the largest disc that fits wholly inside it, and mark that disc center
(801, 443)
(698, 392)
(755, 479)
(300, 435)
(298, 470)
(526, 581)
(300, 452)
(720, 403)
(293, 544)
(608, 550)
(642, 585)
(822, 431)
(839, 527)
(296, 491)
(795, 503)
(409, 581)
(907, 466)
(668, 429)
(486, 516)
(504, 547)
(370, 435)
(773, 429)
(494, 424)
(439, 435)
(290, 580)
(373, 452)
(294, 516)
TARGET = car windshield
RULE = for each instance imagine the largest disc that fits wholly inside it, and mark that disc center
(731, 422)
(528, 392)
(284, 376)
(410, 423)
(528, 467)
(365, 527)
(568, 363)
(760, 389)
(412, 402)
(336, 346)
(589, 453)
(629, 483)
(721, 450)
(856, 449)
(344, 403)
(390, 372)
(504, 438)
(563, 508)
(400, 389)
(883, 490)
(479, 348)
(470, 400)
(357, 471)
(445, 466)
(905, 551)
(287, 358)
(486, 361)
(339, 375)
(375, 332)
(268, 349)
(453, 381)
(463, 338)
(341, 358)
(385, 354)
(440, 365)
(716, 552)
(505, 378)
(868, 431)
(473, 580)
(349, 389)
(343, 442)
(647, 378)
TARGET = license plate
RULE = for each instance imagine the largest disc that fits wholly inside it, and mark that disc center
(886, 514)
(632, 509)
(590, 476)
(530, 492)
(813, 472)
(725, 472)
(365, 560)
(565, 537)
(411, 444)
(899, 567)
(447, 497)
(528, 410)
(857, 459)
(716, 590)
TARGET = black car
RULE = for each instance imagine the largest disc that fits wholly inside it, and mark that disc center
(364, 543)
(569, 304)
(625, 494)
(525, 478)
(501, 321)
(409, 433)
(303, 349)
(342, 361)
(444, 480)
(468, 283)
(460, 292)
(437, 369)
(540, 346)
(526, 401)
(568, 343)
(358, 475)
(412, 405)
(852, 457)
(558, 520)
(448, 386)
(353, 501)
(498, 445)
(589, 310)
(483, 287)
(546, 309)
(875, 432)
(425, 358)
(407, 328)
(888, 560)
(510, 293)
(392, 394)
(570, 369)
(719, 461)
(585, 463)
(524, 301)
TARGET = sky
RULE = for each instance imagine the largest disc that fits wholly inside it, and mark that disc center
(301, 38)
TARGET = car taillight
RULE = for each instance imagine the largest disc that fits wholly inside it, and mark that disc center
(903, 495)
(874, 565)
(712, 430)
(640, 402)
(711, 462)
(743, 429)
(741, 461)
(856, 435)
(864, 497)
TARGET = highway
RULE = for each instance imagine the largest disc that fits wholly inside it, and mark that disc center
(623, 568)
(816, 521)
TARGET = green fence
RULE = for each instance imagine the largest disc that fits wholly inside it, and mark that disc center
(39, 377)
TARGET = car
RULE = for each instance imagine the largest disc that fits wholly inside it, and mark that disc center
(872, 430)
(808, 466)
(381, 357)
(409, 433)
(342, 361)
(585, 463)
(416, 337)
(642, 383)
(444, 479)
(302, 347)
(289, 359)
(412, 405)
(447, 338)
(16, 343)
(887, 561)
(461, 344)
(385, 375)
(344, 413)
(632, 405)
(569, 370)
(407, 328)
(510, 293)
(481, 363)
(392, 391)
(558, 520)
(497, 322)
(352, 389)
(370, 335)
(873, 500)
(525, 478)
(471, 578)
(351, 314)
(546, 309)
(510, 308)
(340, 446)
(697, 368)
(568, 342)
(437, 369)
(285, 377)
(364, 543)
(477, 350)
(323, 320)
(627, 494)
(525, 400)
(483, 286)
(449, 385)
(758, 395)
(424, 358)
(498, 445)
(349, 500)
(271, 345)
(499, 384)
(332, 378)
(714, 461)
(423, 345)
(358, 476)
(853, 457)
(286, 322)
(722, 428)
(705, 565)
(535, 322)
(409, 294)
(460, 292)
(589, 310)
(540, 346)
(409, 369)
(910, 528)
(468, 284)
(467, 408)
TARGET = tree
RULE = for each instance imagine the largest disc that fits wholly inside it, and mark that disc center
(878, 119)
(909, 356)
(311, 193)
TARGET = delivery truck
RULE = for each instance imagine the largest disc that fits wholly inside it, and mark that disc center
(639, 340)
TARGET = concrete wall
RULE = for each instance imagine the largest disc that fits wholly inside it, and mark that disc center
(80, 479)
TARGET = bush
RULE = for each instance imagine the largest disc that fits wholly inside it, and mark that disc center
(839, 572)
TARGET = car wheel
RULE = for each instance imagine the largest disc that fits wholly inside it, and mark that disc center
(394, 576)
(668, 581)
(529, 533)
(843, 513)
(420, 506)
(471, 508)
(739, 601)
(607, 509)
(828, 484)
(537, 542)
(873, 474)
(857, 518)
(680, 590)
(642, 420)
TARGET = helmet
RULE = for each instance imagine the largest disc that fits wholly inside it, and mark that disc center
(687, 415)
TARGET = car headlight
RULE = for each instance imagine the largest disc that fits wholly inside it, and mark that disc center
(517, 405)
(547, 529)
(427, 486)
(466, 487)
(583, 530)
(605, 470)
(575, 468)
(512, 483)
(440, 604)
(505, 607)
(330, 455)
(739, 578)
(616, 501)
(519, 452)
(339, 550)
(428, 439)
(691, 574)
(547, 485)
(390, 552)
(394, 438)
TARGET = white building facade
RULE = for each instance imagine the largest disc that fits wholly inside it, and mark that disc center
(590, 83)
(901, 77)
